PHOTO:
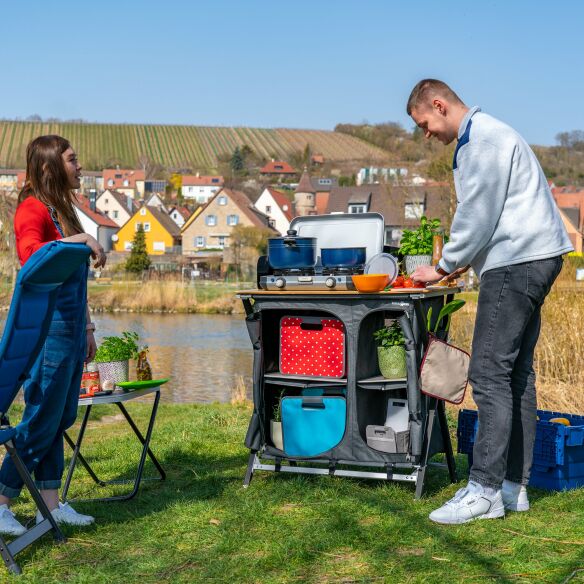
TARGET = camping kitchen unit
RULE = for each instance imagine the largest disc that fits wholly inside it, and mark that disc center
(315, 364)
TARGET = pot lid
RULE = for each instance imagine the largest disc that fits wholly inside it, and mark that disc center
(343, 230)
(293, 234)
(382, 263)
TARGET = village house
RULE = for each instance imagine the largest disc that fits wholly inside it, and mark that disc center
(278, 169)
(155, 200)
(127, 181)
(571, 220)
(9, 179)
(200, 188)
(179, 215)
(91, 180)
(162, 234)
(211, 226)
(117, 206)
(305, 197)
(95, 223)
(278, 207)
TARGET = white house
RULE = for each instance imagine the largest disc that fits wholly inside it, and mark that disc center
(277, 207)
(179, 215)
(200, 188)
(373, 175)
(155, 200)
(117, 206)
(95, 223)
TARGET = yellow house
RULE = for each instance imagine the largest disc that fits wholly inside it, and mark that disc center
(162, 233)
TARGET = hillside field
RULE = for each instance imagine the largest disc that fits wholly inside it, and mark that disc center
(194, 147)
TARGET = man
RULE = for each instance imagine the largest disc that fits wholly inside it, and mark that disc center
(507, 227)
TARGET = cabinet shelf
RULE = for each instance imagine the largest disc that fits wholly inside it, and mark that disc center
(280, 377)
(380, 380)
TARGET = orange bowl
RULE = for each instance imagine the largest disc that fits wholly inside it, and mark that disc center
(370, 282)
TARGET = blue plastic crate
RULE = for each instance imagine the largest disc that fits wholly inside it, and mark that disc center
(558, 452)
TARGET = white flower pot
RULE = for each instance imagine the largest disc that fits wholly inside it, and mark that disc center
(276, 434)
(414, 261)
(114, 371)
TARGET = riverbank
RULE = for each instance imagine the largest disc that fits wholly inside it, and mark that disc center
(200, 525)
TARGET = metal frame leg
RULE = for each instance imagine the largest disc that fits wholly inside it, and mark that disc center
(450, 461)
(146, 451)
(76, 450)
(429, 427)
(9, 551)
(249, 471)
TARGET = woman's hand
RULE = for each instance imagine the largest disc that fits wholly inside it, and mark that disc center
(97, 251)
(91, 347)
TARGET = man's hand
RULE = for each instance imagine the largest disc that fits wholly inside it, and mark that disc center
(426, 274)
(91, 347)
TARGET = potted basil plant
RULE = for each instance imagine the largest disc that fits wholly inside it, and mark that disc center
(113, 355)
(417, 245)
(276, 424)
(391, 352)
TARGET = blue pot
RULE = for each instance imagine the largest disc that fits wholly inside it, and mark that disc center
(292, 252)
(342, 257)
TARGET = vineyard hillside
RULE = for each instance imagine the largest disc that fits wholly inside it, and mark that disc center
(195, 147)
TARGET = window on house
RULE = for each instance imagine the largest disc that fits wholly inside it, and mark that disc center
(116, 214)
(143, 212)
(272, 222)
(222, 200)
(414, 210)
(118, 175)
(325, 181)
(106, 201)
(268, 208)
(221, 241)
(211, 220)
(214, 180)
(199, 241)
(126, 183)
(159, 246)
(110, 182)
(232, 220)
(138, 225)
(146, 227)
(360, 208)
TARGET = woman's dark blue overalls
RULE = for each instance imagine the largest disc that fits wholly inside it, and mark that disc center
(51, 392)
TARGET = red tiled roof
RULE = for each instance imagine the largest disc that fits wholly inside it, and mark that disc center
(191, 180)
(82, 203)
(183, 211)
(283, 202)
(118, 175)
(277, 167)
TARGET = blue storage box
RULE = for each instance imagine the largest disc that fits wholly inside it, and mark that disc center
(558, 452)
(312, 425)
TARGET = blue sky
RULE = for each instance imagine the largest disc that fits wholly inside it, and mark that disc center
(302, 64)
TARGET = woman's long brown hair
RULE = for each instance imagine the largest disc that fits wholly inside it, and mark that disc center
(47, 180)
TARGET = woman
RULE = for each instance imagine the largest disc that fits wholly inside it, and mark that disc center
(45, 213)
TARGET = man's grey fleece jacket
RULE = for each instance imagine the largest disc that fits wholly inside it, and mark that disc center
(506, 213)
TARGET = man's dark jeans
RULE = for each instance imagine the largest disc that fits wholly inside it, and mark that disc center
(501, 369)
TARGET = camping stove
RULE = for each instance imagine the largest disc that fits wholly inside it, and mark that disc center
(320, 279)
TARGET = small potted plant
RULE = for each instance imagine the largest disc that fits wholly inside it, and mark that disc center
(113, 355)
(391, 352)
(417, 245)
(276, 424)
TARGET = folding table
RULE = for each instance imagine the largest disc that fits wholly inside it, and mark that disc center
(117, 398)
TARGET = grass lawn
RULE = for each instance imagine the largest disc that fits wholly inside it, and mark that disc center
(202, 526)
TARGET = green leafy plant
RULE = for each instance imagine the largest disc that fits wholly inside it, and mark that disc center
(277, 411)
(420, 241)
(118, 348)
(446, 311)
(390, 336)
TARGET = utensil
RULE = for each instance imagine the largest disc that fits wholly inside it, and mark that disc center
(132, 385)
(370, 282)
(292, 252)
(342, 257)
(383, 263)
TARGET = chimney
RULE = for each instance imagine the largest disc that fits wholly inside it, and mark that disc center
(198, 174)
(92, 199)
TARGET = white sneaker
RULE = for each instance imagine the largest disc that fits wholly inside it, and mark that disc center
(514, 496)
(9, 525)
(66, 515)
(470, 503)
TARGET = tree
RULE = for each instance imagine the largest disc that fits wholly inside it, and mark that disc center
(237, 161)
(246, 244)
(138, 260)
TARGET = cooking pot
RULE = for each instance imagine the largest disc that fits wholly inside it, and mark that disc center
(292, 252)
(342, 257)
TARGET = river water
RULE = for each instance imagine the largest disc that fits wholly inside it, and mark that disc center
(205, 356)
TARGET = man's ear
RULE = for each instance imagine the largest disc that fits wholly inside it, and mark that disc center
(439, 106)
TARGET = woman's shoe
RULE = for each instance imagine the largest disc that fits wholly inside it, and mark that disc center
(9, 525)
(66, 515)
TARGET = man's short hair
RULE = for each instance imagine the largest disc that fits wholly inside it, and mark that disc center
(426, 90)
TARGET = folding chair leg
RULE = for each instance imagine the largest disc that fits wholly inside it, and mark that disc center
(34, 492)
(8, 558)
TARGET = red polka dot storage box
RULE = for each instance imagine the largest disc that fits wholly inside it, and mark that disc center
(313, 346)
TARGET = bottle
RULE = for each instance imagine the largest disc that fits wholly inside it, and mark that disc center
(84, 380)
(92, 386)
(143, 369)
(437, 245)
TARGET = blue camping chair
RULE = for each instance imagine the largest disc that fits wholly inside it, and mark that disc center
(25, 332)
